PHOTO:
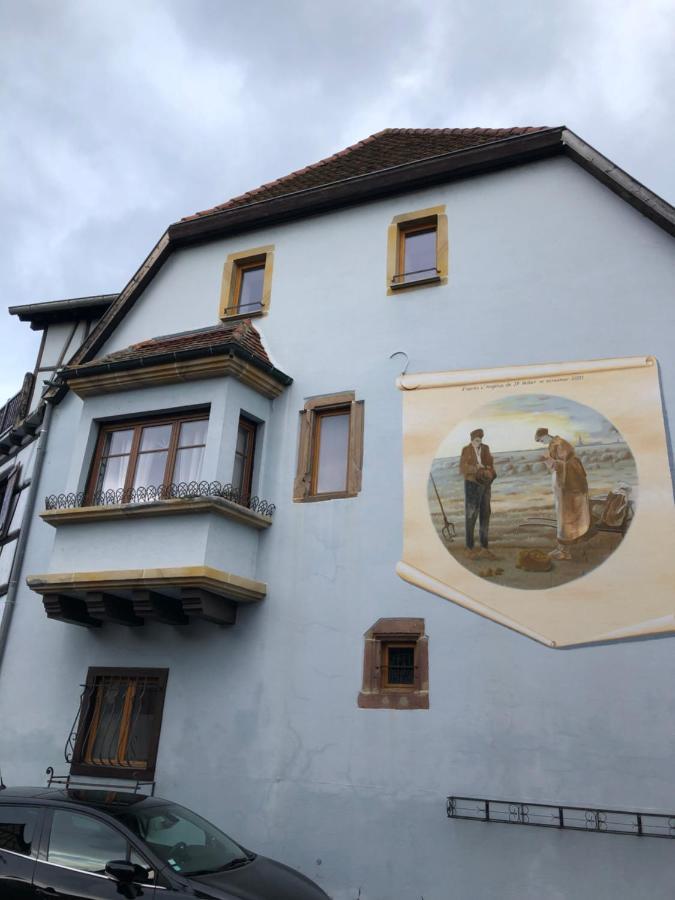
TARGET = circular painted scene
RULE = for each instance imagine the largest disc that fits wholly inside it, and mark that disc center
(533, 490)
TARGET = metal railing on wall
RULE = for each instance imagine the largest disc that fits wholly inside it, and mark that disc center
(573, 818)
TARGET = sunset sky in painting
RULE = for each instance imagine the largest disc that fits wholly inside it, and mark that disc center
(510, 424)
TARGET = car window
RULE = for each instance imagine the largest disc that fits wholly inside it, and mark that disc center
(18, 829)
(186, 841)
(168, 830)
(82, 842)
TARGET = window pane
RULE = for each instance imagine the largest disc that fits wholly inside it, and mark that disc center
(103, 744)
(150, 469)
(112, 474)
(333, 449)
(6, 558)
(193, 433)
(82, 842)
(420, 254)
(401, 665)
(243, 436)
(118, 442)
(141, 718)
(17, 829)
(250, 292)
(155, 437)
(238, 474)
(188, 465)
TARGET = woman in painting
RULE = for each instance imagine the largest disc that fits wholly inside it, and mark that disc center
(570, 491)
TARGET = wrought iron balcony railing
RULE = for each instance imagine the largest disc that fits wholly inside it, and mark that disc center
(175, 491)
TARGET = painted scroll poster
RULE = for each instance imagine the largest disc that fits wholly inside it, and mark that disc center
(540, 497)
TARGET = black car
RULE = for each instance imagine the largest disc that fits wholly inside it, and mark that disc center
(95, 845)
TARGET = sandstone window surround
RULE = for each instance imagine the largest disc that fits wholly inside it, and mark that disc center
(392, 648)
(330, 449)
(246, 288)
(417, 249)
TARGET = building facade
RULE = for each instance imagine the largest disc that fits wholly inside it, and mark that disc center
(207, 597)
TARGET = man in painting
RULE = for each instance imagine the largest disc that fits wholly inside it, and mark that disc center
(477, 466)
(570, 492)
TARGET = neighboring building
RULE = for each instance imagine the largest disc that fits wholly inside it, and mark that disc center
(188, 614)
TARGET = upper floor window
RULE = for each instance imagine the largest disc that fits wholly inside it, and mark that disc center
(120, 721)
(247, 282)
(330, 454)
(418, 249)
(149, 453)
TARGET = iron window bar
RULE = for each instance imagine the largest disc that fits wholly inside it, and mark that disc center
(69, 782)
(256, 305)
(431, 272)
(572, 818)
(175, 491)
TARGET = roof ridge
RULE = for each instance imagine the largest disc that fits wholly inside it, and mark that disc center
(308, 168)
(254, 193)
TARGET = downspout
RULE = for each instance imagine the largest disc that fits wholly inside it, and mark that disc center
(20, 552)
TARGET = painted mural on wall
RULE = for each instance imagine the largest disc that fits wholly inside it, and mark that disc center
(532, 490)
(541, 497)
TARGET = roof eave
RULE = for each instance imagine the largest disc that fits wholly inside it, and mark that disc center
(41, 315)
(143, 362)
(358, 189)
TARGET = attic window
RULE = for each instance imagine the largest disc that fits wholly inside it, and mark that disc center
(247, 283)
(417, 249)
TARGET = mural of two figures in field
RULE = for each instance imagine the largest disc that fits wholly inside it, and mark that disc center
(532, 490)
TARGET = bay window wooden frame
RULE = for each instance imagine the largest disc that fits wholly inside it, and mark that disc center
(376, 690)
(246, 488)
(83, 761)
(134, 453)
(234, 268)
(305, 485)
(433, 218)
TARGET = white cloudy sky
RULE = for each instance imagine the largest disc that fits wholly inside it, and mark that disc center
(118, 118)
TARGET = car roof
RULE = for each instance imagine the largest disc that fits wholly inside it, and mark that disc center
(106, 801)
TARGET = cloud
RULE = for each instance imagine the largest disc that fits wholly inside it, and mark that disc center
(120, 118)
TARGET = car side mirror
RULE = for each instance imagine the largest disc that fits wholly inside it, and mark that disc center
(126, 872)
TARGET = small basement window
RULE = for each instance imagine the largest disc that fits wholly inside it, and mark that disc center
(418, 249)
(395, 666)
(247, 283)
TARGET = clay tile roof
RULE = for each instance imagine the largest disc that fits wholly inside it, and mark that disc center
(391, 147)
(238, 335)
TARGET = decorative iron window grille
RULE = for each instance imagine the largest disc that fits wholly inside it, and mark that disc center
(400, 665)
(116, 729)
(573, 818)
(174, 491)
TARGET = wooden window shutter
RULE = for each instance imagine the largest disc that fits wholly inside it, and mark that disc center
(355, 463)
(302, 482)
(8, 496)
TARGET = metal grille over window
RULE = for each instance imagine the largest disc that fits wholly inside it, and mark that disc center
(117, 726)
(400, 668)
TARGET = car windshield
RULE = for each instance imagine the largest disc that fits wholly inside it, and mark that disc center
(188, 843)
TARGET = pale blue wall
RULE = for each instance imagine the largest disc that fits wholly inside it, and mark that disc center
(261, 730)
